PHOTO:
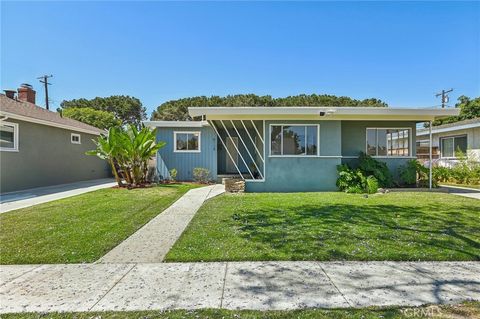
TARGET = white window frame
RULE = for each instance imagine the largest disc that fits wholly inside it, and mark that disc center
(187, 132)
(15, 137)
(76, 135)
(452, 137)
(290, 155)
(410, 147)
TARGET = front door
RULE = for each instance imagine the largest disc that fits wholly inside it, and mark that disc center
(232, 146)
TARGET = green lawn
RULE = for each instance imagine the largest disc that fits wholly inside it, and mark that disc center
(332, 226)
(465, 310)
(80, 228)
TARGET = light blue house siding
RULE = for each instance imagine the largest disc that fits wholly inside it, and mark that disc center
(340, 142)
(184, 162)
(303, 174)
(354, 142)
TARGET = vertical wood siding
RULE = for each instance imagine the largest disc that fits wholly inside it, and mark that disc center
(184, 163)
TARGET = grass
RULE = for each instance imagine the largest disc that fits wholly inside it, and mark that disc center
(332, 226)
(462, 185)
(81, 228)
(465, 310)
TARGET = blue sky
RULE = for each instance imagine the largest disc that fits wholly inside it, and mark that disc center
(400, 52)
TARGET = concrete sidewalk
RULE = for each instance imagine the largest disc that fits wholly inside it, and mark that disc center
(235, 285)
(39, 195)
(462, 191)
(153, 241)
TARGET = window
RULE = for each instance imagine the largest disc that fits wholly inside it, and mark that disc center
(8, 136)
(186, 141)
(75, 138)
(450, 146)
(294, 140)
(388, 141)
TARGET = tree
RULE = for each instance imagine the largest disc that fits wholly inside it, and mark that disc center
(177, 110)
(469, 109)
(88, 115)
(128, 153)
(126, 109)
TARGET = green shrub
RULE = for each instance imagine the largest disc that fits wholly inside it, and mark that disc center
(173, 174)
(370, 166)
(413, 172)
(465, 172)
(354, 181)
(201, 175)
(372, 185)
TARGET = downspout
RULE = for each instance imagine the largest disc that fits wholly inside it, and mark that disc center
(430, 155)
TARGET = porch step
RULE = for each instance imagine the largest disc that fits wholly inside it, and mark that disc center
(221, 178)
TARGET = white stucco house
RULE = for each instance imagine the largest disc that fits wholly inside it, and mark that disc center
(448, 139)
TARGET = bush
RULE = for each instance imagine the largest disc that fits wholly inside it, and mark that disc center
(371, 167)
(173, 174)
(465, 172)
(372, 185)
(413, 172)
(354, 181)
(201, 175)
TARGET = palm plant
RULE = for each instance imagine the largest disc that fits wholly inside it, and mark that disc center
(108, 149)
(130, 150)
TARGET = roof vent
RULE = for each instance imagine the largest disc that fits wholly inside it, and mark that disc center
(10, 93)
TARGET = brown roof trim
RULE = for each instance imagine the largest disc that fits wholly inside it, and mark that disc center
(29, 112)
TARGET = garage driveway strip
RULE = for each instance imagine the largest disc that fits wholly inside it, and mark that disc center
(235, 285)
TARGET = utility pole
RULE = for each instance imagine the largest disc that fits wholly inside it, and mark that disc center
(445, 97)
(44, 79)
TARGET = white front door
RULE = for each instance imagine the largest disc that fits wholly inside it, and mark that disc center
(232, 146)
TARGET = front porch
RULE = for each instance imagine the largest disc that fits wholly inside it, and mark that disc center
(240, 149)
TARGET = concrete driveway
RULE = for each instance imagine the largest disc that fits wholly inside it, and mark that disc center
(39, 195)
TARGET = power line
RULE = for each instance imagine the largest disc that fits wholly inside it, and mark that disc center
(444, 95)
(44, 79)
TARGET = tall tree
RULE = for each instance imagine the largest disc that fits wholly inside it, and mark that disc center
(177, 110)
(127, 109)
(97, 118)
(469, 109)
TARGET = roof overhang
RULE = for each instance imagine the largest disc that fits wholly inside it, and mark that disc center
(175, 123)
(322, 113)
(8, 115)
(448, 129)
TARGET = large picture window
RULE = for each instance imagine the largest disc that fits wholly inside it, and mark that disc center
(8, 136)
(186, 141)
(388, 142)
(452, 145)
(294, 140)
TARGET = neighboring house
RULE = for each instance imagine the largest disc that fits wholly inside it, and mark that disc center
(448, 140)
(40, 148)
(285, 149)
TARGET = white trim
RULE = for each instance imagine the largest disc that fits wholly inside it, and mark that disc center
(226, 149)
(77, 135)
(187, 132)
(253, 142)
(48, 123)
(238, 151)
(331, 113)
(248, 152)
(440, 145)
(175, 123)
(281, 146)
(15, 137)
(448, 129)
(410, 147)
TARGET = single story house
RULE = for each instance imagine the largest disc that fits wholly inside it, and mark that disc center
(287, 149)
(39, 147)
(448, 139)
